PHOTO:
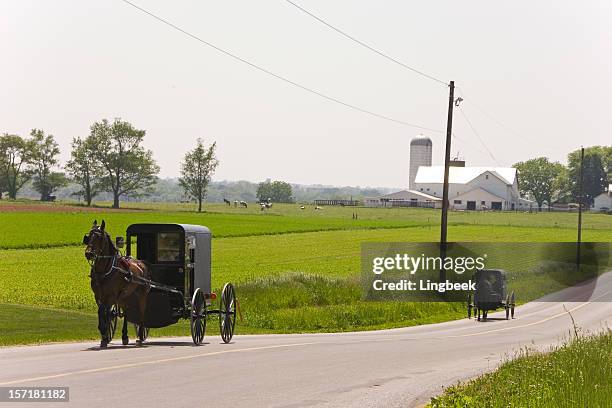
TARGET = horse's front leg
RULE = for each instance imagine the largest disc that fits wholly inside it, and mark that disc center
(103, 311)
(124, 331)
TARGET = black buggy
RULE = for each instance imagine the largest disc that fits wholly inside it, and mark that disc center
(491, 294)
(179, 259)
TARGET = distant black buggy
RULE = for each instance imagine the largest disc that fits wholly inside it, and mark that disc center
(178, 257)
(491, 294)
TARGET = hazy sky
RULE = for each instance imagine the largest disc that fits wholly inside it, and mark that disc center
(540, 67)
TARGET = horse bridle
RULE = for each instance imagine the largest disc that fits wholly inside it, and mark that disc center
(98, 255)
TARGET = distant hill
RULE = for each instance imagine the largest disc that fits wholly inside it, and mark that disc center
(169, 190)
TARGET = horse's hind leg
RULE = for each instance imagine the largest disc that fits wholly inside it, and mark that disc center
(142, 304)
(124, 331)
(103, 312)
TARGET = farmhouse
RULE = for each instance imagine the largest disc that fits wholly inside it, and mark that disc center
(470, 188)
(603, 202)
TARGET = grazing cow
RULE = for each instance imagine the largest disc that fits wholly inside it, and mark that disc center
(226, 201)
(235, 203)
(266, 204)
(243, 204)
(302, 207)
(318, 208)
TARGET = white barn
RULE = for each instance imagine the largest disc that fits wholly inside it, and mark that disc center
(603, 202)
(473, 188)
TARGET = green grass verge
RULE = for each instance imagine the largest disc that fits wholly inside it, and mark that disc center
(20, 324)
(577, 374)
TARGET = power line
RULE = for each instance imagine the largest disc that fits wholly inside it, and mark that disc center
(277, 76)
(363, 44)
(474, 146)
(503, 126)
(478, 135)
(396, 61)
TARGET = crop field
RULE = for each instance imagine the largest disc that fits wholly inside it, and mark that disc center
(39, 226)
(295, 271)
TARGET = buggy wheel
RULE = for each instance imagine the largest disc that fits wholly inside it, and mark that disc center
(227, 313)
(512, 303)
(143, 334)
(469, 306)
(113, 314)
(507, 307)
(198, 317)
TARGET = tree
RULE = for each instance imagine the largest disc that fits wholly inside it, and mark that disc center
(597, 167)
(3, 186)
(276, 191)
(44, 157)
(129, 168)
(15, 158)
(54, 180)
(197, 169)
(562, 187)
(85, 169)
(538, 178)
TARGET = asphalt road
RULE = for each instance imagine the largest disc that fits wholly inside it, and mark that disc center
(401, 367)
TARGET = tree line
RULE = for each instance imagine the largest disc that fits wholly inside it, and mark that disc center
(111, 158)
(552, 182)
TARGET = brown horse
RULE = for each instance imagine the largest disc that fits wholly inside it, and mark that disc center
(115, 280)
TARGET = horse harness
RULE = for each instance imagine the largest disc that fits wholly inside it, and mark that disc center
(128, 275)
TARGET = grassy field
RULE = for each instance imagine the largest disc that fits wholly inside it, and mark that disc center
(295, 271)
(36, 229)
(577, 374)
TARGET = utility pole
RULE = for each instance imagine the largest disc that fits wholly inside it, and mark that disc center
(580, 203)
(444, 221)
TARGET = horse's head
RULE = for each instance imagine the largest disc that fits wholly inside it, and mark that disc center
(98, 242)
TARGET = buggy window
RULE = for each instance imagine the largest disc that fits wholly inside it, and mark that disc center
(168, 247)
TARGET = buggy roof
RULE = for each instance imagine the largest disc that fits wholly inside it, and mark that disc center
(153, 228)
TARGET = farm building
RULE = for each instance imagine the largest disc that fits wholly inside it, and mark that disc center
(404, 198)
(603, 202)
(470, 188)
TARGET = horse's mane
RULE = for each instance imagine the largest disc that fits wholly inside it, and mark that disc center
(112, 244)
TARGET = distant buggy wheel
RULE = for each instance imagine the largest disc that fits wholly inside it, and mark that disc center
(113, 314)
(469, 306)
(227, 313)
(507, 307)
(198, 317)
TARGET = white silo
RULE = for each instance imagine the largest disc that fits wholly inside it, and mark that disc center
(420, 155)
